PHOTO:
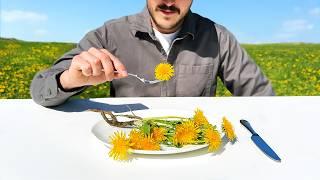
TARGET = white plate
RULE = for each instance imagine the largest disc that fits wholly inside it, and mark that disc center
(103, 131)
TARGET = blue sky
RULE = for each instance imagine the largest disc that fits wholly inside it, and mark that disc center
(251, 21)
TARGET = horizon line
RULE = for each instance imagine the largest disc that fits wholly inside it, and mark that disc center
(71, 42)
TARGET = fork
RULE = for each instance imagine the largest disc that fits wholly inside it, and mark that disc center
(145, 81)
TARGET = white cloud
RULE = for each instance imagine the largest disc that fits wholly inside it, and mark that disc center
(22, 16)
(296, 26)
(292, 30)
(315, 12)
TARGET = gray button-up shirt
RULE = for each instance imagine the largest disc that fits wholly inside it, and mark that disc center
(202, 51)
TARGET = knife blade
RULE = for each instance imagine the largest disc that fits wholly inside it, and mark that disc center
(262, 145)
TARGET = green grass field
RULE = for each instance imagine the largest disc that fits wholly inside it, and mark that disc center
(294, 69)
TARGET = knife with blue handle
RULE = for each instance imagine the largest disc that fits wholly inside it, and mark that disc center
(260, 142)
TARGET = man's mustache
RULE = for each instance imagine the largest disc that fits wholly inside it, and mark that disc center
(170, 8)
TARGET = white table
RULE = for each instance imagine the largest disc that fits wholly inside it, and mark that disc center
(38, 143)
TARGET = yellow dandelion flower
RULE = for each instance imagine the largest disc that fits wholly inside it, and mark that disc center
(141, 142)
(199, 118)
(164, 71)
(228, 129)
(186, 133)
(158, 134)
(135, 137)
(213, 138)
(148, 143)
(121, 145)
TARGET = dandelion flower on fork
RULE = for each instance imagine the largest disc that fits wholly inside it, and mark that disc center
(164, 72)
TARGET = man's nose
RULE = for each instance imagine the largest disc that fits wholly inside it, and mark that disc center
(169, 2)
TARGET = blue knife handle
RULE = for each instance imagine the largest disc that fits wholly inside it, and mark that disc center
(246, 124)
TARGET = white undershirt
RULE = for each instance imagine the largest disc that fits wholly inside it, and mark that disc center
(165, 39)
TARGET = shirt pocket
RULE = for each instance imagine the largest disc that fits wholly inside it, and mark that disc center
(192, 80)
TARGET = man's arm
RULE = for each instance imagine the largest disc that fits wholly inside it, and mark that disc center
(238, 72)
(47, 89)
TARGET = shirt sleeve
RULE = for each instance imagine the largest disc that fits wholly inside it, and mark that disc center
(239, 73)
(45, 87)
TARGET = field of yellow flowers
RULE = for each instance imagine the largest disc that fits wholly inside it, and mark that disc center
(294, 69)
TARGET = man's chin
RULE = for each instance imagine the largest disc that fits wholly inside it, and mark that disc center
(167, 24)
(170, 26)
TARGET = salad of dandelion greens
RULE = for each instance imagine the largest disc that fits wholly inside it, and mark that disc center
(149, 133)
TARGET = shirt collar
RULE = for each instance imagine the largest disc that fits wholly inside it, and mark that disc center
(141, 23)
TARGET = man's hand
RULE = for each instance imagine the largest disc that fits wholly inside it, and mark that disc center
(92, 67)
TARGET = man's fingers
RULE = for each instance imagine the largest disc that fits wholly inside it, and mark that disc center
(82, 65)
(94, 61)
(118, 66)
(105, 61)
(108, 69)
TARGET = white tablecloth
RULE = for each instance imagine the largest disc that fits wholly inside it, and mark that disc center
(38, 143)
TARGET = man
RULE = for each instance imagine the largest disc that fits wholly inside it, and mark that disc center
(166, 31)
